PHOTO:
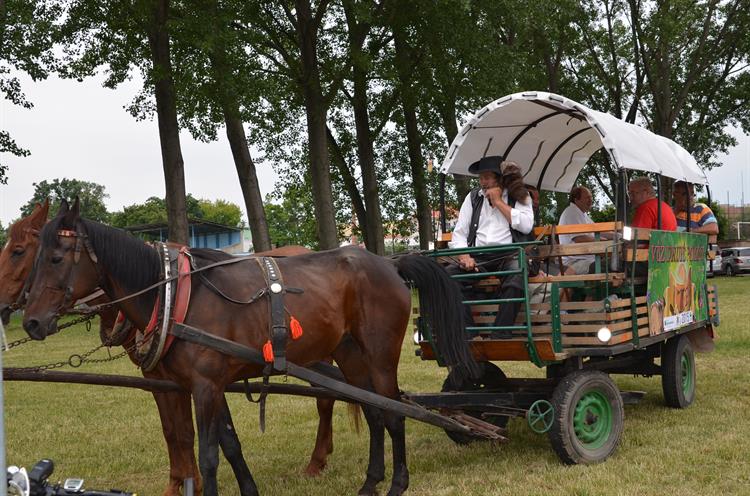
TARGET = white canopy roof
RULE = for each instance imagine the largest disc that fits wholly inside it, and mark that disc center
(551, 137)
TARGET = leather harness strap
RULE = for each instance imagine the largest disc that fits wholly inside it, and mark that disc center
(279, 329)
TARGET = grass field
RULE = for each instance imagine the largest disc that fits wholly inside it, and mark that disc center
(111, 437)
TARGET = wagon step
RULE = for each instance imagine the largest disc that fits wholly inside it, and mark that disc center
(198, 336)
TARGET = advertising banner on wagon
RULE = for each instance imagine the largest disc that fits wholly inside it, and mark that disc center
(676, 280)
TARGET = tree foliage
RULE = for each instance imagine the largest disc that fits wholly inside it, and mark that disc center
(291, 219)
(26, 41)
(369, 92)
(91, 196)
(154, 211)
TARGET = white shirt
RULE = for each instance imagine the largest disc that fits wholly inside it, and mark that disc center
(494, 228)
(574, 215)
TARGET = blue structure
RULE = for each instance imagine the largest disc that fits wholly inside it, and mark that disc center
(203, 234)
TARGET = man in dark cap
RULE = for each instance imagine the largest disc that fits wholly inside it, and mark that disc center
(498, 212)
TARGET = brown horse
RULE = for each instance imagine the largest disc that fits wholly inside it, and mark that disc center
(16, 261)
(354, 307)
(17, 257)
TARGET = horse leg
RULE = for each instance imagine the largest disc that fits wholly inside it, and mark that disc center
(207, 398)
(324, 440)
(351, 361)
(232, 449)
(386, 384)
(177, 424)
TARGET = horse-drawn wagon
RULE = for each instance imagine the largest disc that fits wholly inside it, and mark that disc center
(647, 308)
(643, 310)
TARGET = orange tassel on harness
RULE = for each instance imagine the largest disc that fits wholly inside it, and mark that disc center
(268, 352)
(296, 328)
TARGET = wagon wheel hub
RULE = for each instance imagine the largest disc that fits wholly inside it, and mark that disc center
(592, 419)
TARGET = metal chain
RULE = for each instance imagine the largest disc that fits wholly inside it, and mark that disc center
(84, 318)
(75, 360)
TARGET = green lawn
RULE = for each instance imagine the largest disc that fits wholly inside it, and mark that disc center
(111, 437)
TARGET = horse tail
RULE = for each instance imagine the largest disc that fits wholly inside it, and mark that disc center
(355, 415)
(440, 304)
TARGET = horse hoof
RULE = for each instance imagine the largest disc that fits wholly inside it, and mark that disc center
(314, 469)
(368, 489)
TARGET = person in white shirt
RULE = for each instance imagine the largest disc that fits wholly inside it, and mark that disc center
(489, 216)
(581, 201)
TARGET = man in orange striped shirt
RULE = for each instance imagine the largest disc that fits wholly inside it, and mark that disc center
(701, 218)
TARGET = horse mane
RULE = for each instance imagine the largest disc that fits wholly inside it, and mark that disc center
(131, 261)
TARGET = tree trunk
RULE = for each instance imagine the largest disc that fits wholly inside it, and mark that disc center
(243, 161)
(448, 116)
(350, 184)
(315, 109)
(404, 67)
(375, 239)
(169, 131)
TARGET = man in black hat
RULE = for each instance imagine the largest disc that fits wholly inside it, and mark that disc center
(498, 212)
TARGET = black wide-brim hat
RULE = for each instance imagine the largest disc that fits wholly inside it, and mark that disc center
(491, 164)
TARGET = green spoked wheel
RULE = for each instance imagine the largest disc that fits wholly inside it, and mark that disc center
(492, 378)
(678, 372)
(588, 419)
(540, 416)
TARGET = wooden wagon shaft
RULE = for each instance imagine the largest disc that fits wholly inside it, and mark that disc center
(156, 385)
(251, 355)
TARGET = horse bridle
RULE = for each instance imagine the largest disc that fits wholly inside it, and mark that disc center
(81, 242)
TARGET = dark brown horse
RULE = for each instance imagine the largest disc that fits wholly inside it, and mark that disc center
(355, 307)
(16, 260)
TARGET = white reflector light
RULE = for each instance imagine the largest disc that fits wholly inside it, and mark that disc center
(604, 334)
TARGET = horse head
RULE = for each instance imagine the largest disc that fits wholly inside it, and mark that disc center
(65, 270)
(17, 257)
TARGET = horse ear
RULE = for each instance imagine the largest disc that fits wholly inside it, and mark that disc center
(71, 216)
(64, 208)
(39, 215)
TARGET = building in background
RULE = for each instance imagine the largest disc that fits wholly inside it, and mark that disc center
(203, 234)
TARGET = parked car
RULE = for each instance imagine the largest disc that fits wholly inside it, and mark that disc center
(735, 260)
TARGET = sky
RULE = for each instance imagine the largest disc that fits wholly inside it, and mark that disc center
(81, 131)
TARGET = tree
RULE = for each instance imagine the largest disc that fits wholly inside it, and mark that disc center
(26, 30)
(217, 84)
(90, 194)
(292, 221)
(122, 36)
(221, 212)
(293, 43)
(721, 217)
(154, 211)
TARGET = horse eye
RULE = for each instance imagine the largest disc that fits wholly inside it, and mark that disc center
(57, 259)
(18, 252)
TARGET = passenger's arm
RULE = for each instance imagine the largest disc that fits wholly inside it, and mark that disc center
(585, 238)
(521, 216)
(461, 233)
(710, 228)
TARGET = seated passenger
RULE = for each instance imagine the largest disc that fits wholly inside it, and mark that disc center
(576, 212)
(505, 215)
(644, 201)
(702, 219)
